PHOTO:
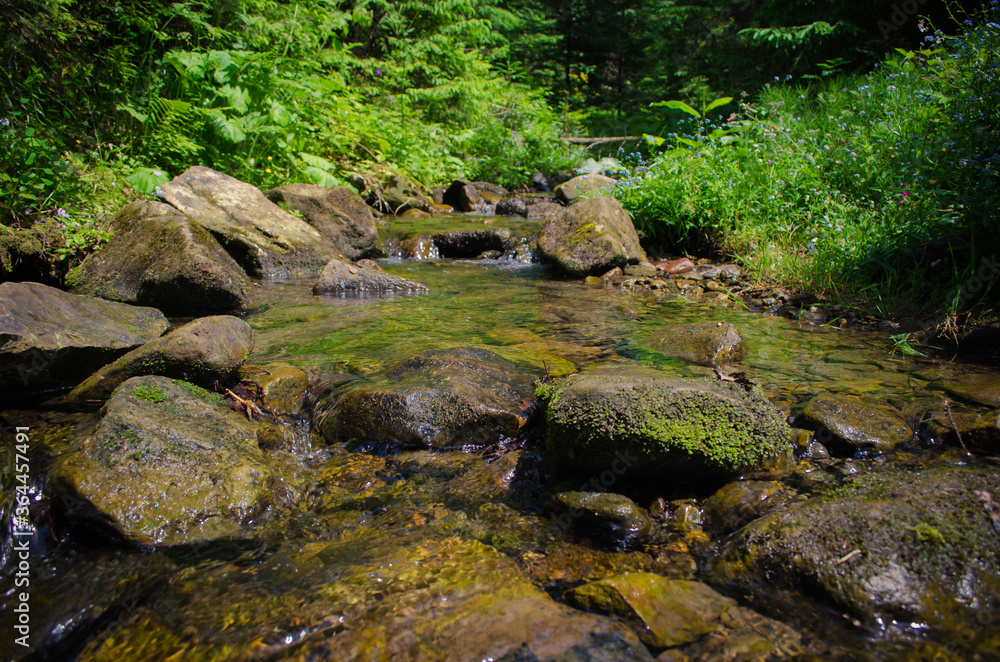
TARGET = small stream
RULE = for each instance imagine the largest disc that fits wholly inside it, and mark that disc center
(364, 540)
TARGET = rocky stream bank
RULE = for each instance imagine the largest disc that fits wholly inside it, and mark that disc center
(497, 430)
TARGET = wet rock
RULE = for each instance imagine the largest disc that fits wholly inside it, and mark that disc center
(284, 386)
(400, 194)
(338, 213)
(159, 257)
(678, 266)
(341, 278)
(583, 185)
(643, 270)
(418, 248)
(859, 424)
(436, 600)
(50, 339)
(674, 611)
(470, 243)
(703, 343)
(264, 239)
(736, 503)
(168, 464)
(546, 210)
(742, 635)
(463, 196)
(204, 351)
(981, 388)
(441, 398)
(976, 431)
(616, 418)
(512, 207)
(486, 483)
(568, 564)
(591, 237)
(490, 189)
(913, 545)
(440, 209)
(611, 517)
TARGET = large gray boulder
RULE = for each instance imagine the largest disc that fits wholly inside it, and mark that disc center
(264, 239)
(339, 214)
(159, 257)
(206, 350)
(346, 279)
(590, 238)
(169, 464)
(615, 419)
(441, 398)
(50, 339)
(470, 243)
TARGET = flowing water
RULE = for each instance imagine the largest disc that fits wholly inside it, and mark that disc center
(361, 541)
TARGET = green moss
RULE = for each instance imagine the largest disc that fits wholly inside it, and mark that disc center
(150, 392)
(198, 392)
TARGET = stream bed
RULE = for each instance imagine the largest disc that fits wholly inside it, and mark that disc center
(381, 553)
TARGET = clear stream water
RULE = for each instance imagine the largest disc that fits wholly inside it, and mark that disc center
(337, 544)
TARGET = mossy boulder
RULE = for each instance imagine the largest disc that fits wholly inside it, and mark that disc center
(399, 194)
(50, 339)
(27, 254)
(704, 343)
(847, 420)
(583, 186)
(169, 463)
(338, 213)
(457, 397)
(899, 543)
(264, 239)
(204, 351)
(346, 279)
(159, 257)
(590, 238)
(667, 427)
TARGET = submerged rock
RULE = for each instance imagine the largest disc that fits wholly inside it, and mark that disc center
(852, 421)
(674, 611)
(703, 343)
(204, 351)
(346, 279)
(616, 418)
(160, 257)
(264, 239)
(590, 238)
(583, 185)
(736, 503)
(168, 464)
(900, 544)
(441, 398)
(50, 339)
(975, 431)
(338, 213)
(610, 516)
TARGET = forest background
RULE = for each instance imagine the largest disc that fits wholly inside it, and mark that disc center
(850, 148)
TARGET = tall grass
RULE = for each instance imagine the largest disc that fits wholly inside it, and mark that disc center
(880, 187)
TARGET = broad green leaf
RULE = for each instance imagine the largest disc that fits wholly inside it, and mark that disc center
(722, 101)
(317, 161)
(145, 180)
(676, 105)
(688, 142)
(321, 177)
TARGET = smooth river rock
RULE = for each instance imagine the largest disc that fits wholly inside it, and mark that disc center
(590, 238)
(50, 339)
(169, 463)
(458, 397)
(849, 420)
(704, 343)
(583, 185)
(345, 279)
(206, 350)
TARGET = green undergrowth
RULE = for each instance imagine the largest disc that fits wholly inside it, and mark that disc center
(881, 188)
